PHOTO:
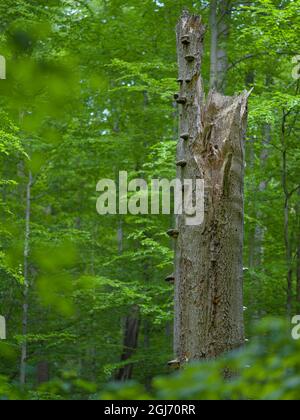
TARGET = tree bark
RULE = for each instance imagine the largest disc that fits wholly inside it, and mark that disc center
(259, 230)
(264, 156)
(298, 270)
(26, 283)
(220, 12)
(208, 262)
(42, 372)
(286, 211)
(298, 249)
(250, 156)
(213, 44)
(132, 327)
(223, 35)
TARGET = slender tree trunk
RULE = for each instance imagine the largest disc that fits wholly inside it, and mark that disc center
(298, 249)
(288, 258)
(42, 372)
(219, 28)
(286, 210)
(120, 237)
(223, 34)
(259, 230)
(213, 44)
(131, 334)
(251, 239)
(250, 154)
(298, 270)
(26, 283)
(208, 262)
(131, 328)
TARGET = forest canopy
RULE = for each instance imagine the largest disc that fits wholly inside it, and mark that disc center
(86, 92)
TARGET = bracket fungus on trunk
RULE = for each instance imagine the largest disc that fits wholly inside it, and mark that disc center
(173, 233)
(185, 136)
(190, 58)
(181, 163)
(180, 99)
(185, 39)
(170, 278)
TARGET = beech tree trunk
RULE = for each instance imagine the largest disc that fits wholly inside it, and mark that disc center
(287, 197)
(220, 12)
(208, 262)
(223, 34)
(23, 363)
(298, 270)
(131, 334)
(42, 372)
(250, 156)
(131, 328)
(259, 230)
(264, 156)
(213, 44)
(298, 249)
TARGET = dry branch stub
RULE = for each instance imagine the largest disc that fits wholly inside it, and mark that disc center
(208, 258)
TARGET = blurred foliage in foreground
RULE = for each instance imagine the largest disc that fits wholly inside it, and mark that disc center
(266, 369)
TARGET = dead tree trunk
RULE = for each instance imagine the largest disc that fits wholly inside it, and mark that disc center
(208, 262)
